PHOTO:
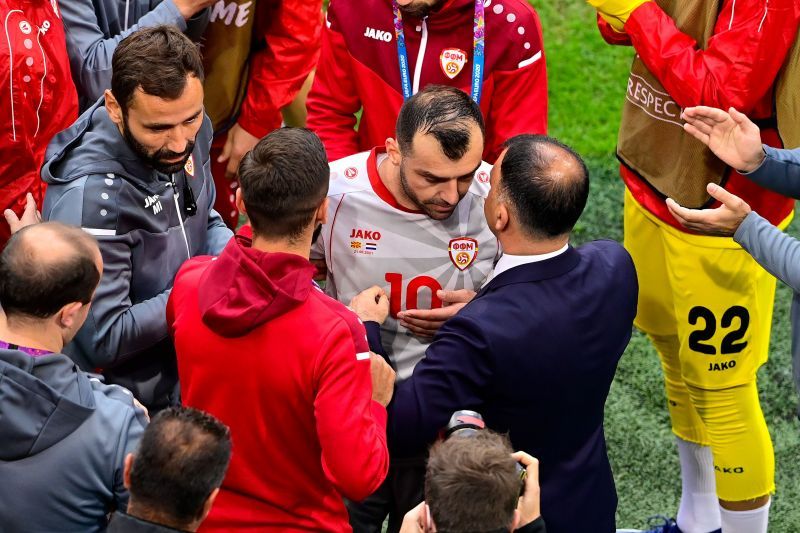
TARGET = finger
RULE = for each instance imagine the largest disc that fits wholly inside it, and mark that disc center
(226, 150)
(422, 332)
(383, 302)
(725, 197)
(11, 219)
(232, 168)
(431, 325)
(703, 124)
(708, 113)
(30, 203)
(440, 314)
(458, 296)
(739, 118)
(678, 211)
(523, 457)
(694, 131)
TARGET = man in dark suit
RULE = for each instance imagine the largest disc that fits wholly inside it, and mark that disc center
(537, 348)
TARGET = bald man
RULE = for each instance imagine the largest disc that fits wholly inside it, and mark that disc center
(65, 435)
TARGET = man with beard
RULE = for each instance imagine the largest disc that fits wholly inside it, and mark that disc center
(377, 53)
(134, 172)
(409, 218)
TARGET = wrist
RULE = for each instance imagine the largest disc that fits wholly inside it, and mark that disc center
(755, 163)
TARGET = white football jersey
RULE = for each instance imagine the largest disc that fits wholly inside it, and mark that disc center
(370, 239)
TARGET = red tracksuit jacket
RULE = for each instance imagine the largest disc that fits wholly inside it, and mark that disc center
(359, 68)
(738, 68)
(287, 369)
(38, 96)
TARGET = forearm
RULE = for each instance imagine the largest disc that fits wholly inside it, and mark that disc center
(773, 249)
(779, 172)
(91, 51)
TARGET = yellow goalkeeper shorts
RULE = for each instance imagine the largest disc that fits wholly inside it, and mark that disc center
(706, 290)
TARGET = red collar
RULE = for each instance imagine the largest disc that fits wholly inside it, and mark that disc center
(379, 187)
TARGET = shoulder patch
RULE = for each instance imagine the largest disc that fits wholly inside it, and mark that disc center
(480, 184)
(349, 174)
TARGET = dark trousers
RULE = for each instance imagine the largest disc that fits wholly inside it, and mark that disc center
(400, 492)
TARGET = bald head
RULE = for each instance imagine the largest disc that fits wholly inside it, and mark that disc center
(45, 267)
(545, 183)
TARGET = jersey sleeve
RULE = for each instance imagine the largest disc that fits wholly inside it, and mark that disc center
(740, 62)
(350, 425)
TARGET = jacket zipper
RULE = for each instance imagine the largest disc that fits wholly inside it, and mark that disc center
(423, 44)
(178, 211)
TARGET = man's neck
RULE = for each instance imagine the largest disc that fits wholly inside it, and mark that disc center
(300, 246)
(30, 334)
(156, 517)
(527, 246)
(389, 174)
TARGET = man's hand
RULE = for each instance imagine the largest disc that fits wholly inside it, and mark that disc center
(189, 8)
(238, 143)
(371, 305)
(528, 506)
(616, 12)
(722, 221)
(415, 520)
(30, 215)
(382, 379)
(731, 136)
(426, 322)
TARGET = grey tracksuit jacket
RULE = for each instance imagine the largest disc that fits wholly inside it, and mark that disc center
(63, 442)
(94, 28)
(774, 250)
(98, 183)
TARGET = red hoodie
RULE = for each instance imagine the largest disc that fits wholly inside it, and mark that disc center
(287, 369)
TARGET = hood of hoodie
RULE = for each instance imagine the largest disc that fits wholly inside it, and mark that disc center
(451, 12)
(244, 288)
(94, 145)
(43, 400)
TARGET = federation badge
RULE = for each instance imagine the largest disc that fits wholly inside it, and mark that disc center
(483, 176)
(463, 252)
(351, 173)
(452, 60)
(189, 166)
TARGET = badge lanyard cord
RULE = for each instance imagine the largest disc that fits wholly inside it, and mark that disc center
(478, 36)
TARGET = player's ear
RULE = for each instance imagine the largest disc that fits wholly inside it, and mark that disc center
(240, 201)
(113, 108)
(321, 216)
(393, 151)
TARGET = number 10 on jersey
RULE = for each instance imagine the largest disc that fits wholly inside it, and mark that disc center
(396, 301)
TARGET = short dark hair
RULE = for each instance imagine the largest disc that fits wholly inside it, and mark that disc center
(284, 179)
(181, 459)
(471, 484)
(444, 112)
(547, 201)
(34, 284)
(157, 59)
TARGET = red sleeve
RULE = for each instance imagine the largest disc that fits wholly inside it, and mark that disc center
(610, 35)
(291, 38)
(740, 62)
(333, 101)
(351, 426)
(515, 90)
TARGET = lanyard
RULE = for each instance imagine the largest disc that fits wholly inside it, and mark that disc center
(478, 37)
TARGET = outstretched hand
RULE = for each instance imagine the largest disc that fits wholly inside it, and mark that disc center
(733, 137)
(721, 222)
(30, 215)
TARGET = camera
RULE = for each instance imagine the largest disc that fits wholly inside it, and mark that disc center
(467, 423)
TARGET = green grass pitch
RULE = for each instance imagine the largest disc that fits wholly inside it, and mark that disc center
(587, 82)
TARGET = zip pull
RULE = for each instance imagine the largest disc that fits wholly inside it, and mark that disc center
(189, 203)
(178, 211)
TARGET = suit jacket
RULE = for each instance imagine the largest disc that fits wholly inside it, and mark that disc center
(535, 353)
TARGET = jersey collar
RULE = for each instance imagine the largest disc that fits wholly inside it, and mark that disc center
(379, 187)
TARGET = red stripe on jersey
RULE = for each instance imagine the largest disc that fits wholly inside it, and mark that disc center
(330, 235)
(378, 185)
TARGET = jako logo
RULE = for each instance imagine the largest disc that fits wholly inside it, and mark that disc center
(358, 233)
(378, 35)
(154, 202)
